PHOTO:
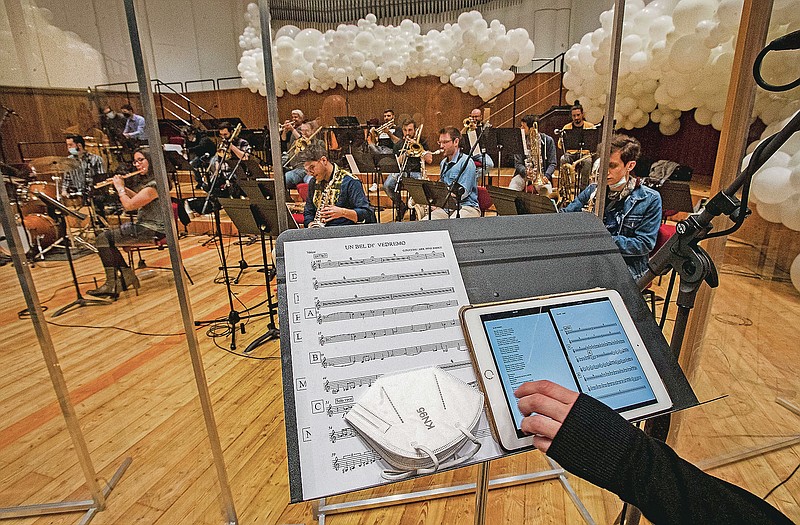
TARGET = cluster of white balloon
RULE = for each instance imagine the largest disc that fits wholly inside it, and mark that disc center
(775, 191)
(60, 58)
(473, 55)
(676, 55)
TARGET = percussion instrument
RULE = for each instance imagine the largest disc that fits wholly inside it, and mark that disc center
(45, 166)
(42, 229)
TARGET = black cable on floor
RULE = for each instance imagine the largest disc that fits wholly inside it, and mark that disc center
(782, 482)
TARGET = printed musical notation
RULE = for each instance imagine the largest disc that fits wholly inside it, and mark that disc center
(363, 291)
(383, 312)
(382, 278)
(322, 265)
(383, 332)
(330, 303)
(406, 351)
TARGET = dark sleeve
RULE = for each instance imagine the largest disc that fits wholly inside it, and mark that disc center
(310, 210)
(598, 445)
(354, 198)
(550, 144)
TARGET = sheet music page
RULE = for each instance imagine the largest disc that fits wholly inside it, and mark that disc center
(361, 307)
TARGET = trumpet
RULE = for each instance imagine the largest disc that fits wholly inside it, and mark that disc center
(469, 125)
(109, 182)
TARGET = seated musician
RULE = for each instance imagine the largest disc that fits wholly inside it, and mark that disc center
(136, 193)
(90, 171)
(582, 159)
(632, 212)
(381, 140)
(335, 196)
(524, 163)
(457, 170)
(134, 124)
(199, 149)
(411, 164)
(113, 124)
(295, 172)
(239, 147)
(223, 166)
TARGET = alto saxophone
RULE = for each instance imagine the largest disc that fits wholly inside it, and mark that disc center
(329, 196)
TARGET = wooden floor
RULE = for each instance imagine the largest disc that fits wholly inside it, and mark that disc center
(130, 378)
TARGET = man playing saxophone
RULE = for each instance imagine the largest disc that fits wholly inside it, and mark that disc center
(526, 167)
(335, 196)
(581, 159)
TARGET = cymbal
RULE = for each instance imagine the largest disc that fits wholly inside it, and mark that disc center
(53, 163)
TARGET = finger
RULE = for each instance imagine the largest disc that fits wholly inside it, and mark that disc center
(542, 443)
(539, 425)
(549, 389)
(542, 404)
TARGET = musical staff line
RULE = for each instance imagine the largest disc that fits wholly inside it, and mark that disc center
(381, 297)
(456, 365)
(407, 351)
(339, 409)
(383, 332)
(337, 385)
(383, 312)
(348, 281)
(345, 433)
(354, 460)
(322, 265)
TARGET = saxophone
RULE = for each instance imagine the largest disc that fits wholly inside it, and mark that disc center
(329, 195)
(534, 173)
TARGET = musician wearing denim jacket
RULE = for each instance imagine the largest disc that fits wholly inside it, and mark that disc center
(632, 211)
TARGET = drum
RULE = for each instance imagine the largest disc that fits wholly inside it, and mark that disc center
(73, 200)
(48, 188)
(42, 229)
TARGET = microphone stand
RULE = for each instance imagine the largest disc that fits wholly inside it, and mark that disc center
(692, 263)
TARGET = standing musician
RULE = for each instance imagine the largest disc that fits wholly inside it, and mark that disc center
(457, 170)
(295, 172)
(410, 155)
(335, 196)
(290, 130)
(474, 122)
(546, 160)
(137, 192)
(632, 212)
(582, 157)
(382, 139)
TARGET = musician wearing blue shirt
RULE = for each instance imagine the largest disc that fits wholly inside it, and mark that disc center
(134, 125)
(457, 167)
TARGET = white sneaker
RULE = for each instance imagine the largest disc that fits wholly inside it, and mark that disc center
(374, 187)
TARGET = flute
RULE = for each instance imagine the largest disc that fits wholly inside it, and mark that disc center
(110, 181)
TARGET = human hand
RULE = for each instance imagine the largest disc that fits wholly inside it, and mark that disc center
(545, 406)
(331, 212)
(119, 184)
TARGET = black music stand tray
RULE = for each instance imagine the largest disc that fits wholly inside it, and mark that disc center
(513, 202)
(62, 212)
(252, 170)
(581, 139)
(174, 162)
(509, 142)
(487, 142)
(432, 193)
(366, 163)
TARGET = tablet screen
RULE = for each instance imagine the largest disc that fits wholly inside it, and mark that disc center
(580, 345)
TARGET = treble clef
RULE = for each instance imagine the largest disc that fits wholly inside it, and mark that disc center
(316, 284)
(319, 318)
(321, 340)
(313, 265)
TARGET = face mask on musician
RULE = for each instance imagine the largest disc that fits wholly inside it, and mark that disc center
(617, 186)
(73, 151)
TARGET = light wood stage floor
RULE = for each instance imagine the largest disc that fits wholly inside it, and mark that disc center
(129, 374)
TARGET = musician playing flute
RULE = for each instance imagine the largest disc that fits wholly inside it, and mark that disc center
(335, 196)
(138, 193)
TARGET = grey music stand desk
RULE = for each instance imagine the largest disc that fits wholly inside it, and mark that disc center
(499, 258)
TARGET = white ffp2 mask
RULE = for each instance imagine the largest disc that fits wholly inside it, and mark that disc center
(418, 420)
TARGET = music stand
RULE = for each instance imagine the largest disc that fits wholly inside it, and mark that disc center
(174, 161)
(433, 193)
(509, 141)
(363, 163)
(62, 212)
(581, 139)
(347, 121)
(486, 141)
(252, 169)
(349, 135)
(513, 202)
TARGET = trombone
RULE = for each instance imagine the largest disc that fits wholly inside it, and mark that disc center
(375, 132)
(300, 145)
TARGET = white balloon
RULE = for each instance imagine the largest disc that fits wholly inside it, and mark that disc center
(794, 273)
(688, 54)
(288, 30)
(790, 212)
(769, 212)
(772, 185)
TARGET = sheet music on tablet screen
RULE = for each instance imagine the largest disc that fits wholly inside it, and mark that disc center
(581, 346)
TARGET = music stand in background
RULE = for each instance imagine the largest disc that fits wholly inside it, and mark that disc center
(252, 170)
(348, 132)
(259, 144)
(581, 139)
(213, 123)
(513, 202)
(62, 211)
(487, 142)
(365, 163)
(432, 193)
(174, 162)
(676, 196)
